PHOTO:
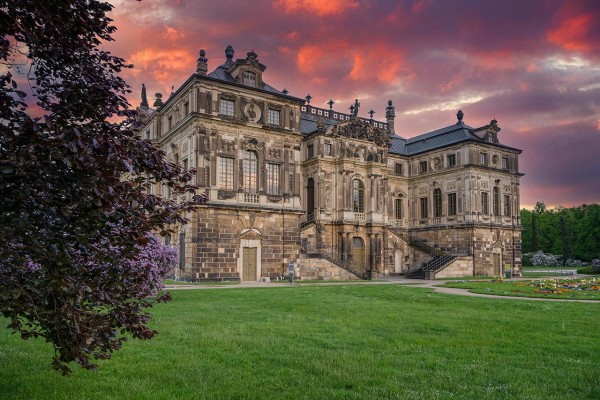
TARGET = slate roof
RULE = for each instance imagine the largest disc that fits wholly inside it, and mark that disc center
(457, 133)
(447, 136)
(221, 74)
(308, 123)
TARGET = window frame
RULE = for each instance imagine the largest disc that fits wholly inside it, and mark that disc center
(358, 196)
(250, 176)
(485, 203)
(227, 107)
(274, 117)
(226, 173)
(273, 179)
(452, 204)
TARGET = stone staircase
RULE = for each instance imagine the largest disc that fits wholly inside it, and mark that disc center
(347, 265)
(440, 259)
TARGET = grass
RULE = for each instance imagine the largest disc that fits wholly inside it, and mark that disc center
(333, 342)
(173, 282)
(521, 289)
(527, 274)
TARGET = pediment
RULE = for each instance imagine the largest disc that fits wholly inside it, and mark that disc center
(358, 129)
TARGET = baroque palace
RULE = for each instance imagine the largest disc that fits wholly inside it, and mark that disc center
(338, 195)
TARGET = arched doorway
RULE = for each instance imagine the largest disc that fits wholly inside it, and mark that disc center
(310, 199)
(358, 253)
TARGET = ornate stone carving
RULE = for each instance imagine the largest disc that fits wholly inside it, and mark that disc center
(423, 190)
(225, 194)
(252, 112)
(358, 129)
(451, 185)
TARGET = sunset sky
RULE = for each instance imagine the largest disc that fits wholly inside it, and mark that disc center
(533, 65)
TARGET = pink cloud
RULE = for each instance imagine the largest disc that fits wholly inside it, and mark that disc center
(319, 7)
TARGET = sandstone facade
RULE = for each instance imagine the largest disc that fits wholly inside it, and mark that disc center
(337, 194)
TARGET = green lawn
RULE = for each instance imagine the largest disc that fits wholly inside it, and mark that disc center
(521, 289)
(333, 342)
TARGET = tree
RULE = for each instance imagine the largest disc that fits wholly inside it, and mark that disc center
(76, 212)
(565, 235)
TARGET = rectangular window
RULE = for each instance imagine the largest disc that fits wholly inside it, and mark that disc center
(496, 201)
(451, 203)
(226, 107)
(507, 206)
(505, 164)
(309, 151)
(273, 117)
(485, 203)
(273, 178)
(226, 173)
(451, 160)
(483, 158)
(422, 167)
(249, 78)
(169, 122)
(148, 135)
(185, 164)
(399, 209)
(424, 211)
(399, 169)
(186, 108)
(327, 149)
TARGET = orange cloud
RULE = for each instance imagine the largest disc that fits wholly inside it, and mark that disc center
(173, 34)
(319, 7)
(163, 65)
(572, 33)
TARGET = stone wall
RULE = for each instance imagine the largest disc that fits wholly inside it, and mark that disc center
(462, 266)
(319, 268)
(219, 234)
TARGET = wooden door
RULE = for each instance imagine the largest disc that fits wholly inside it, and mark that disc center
(249, 264)
(497, 266)
(358, 253)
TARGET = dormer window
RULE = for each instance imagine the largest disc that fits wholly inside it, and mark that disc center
(249, 79)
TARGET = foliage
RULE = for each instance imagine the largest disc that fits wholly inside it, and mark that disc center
(585, 270)
(596, 266)
(539, 259)
(77, 264)
(571, 232)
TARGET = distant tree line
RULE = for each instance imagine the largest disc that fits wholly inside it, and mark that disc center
(573, 233)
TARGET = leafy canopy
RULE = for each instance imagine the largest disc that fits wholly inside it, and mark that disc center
(78, 265)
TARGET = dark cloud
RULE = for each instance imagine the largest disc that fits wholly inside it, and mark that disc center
(532, 65)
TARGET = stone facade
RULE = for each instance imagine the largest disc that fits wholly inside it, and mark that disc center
(285, 179)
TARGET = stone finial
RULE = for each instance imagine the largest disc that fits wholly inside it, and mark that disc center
(229, 53)
(459, 116)
(371, 112)
(252, 56)
(390, 115)
(308, 98)
(202, 66)
(158, 100)
(144, 102)
(331, 103)
(284, 91)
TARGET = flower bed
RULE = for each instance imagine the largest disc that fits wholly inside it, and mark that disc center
(565, 285)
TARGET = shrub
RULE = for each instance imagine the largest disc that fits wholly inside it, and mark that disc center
(539, 259)
(585, 270)
(596, 266)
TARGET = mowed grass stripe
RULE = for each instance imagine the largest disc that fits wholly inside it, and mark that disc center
(335, 342)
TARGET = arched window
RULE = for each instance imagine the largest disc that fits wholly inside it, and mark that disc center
(250, 171)
(437, 203)
(358, 196)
